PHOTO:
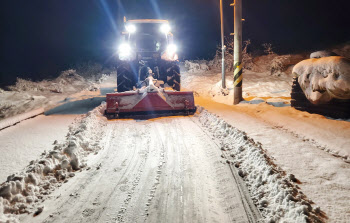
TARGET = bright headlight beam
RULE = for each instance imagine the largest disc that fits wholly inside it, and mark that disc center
(131, 28)
(124, 49)
(165, 28)
(171, 49)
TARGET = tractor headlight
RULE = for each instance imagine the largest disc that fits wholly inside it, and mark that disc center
(165, 28)
(124, 51)
(170, 53)
(171, 49)
(131, 28)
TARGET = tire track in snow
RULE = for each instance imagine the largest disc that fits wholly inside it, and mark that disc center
(249, 207)
(159, 171)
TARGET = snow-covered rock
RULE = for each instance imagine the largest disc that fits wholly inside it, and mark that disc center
(322, 53)
(324, 79)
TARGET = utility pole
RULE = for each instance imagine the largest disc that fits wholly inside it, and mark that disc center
(237, 57)
(223, 47)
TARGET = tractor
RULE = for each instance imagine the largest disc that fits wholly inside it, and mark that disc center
(148, 73)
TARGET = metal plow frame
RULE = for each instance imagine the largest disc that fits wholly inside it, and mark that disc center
(154, 102)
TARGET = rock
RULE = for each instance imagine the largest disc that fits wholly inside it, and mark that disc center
(324, 79)
(64, 164)
(38, 211)
(5, 190)
(292, 178)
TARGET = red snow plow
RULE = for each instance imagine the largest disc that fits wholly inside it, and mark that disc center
(150, 100)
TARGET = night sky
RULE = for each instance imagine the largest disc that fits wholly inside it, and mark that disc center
(41, 38)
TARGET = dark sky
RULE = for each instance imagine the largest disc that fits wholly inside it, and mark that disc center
(40, 38)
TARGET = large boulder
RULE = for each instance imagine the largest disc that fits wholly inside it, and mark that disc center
(324, 79)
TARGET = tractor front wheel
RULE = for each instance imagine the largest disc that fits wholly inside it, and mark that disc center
(174, 77)
(124, 78)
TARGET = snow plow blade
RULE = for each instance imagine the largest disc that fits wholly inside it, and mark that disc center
(149, 101)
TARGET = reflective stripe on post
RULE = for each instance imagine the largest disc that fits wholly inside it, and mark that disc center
(238, 74)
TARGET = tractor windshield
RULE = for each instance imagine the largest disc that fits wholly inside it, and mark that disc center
(148, 38)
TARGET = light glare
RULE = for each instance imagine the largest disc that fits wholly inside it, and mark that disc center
(124, 50)
(131, 28)
(165, 28)
(171, 49)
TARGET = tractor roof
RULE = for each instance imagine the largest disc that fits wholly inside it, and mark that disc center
(148, 21)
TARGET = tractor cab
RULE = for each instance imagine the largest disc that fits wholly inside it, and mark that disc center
(147, 39)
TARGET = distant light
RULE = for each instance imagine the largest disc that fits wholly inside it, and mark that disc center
(131, 28)
(165, 28)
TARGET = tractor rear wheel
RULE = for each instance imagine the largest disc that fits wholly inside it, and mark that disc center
(174, 77)
(124, 78)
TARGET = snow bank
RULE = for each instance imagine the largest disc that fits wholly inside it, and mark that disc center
(324, 79)
(255, 86)
(68, 80)
(27, 95)
(343, 50)
(18, 118)
(276, 64)
(275, 193)
(196, 66)
(22, 190)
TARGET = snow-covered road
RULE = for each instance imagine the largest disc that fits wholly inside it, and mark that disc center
(171, 169)
(157, 170)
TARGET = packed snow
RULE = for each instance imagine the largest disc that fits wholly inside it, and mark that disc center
(22, 191)
(275, 193)
(29, 139)
(257, 86)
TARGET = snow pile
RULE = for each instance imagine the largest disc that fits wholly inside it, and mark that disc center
(68, 80)
(275, 193)
(196, 66)
(324, 79)
(276, 64)
(322, 53)
(255, 87)
(27, 95)
(5, 107)
(218, 90)
(279, 64)
(22, 190)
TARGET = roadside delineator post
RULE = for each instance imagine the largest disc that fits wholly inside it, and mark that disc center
(223, 48)
(237, 57)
